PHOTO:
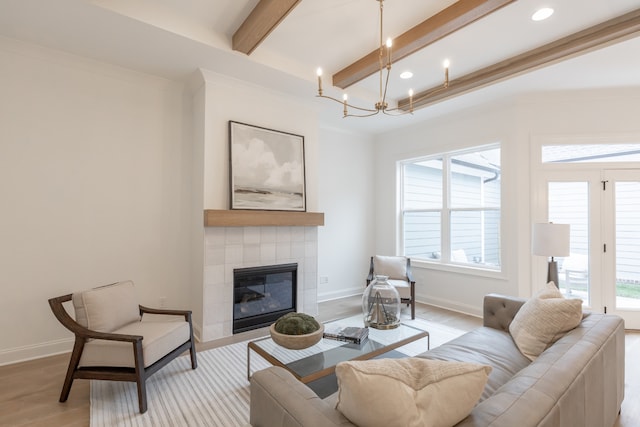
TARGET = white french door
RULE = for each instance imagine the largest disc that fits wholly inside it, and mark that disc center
(621, 260)
(603, 209)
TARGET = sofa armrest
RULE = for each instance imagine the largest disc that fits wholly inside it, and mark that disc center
(278, 399)
(499, 310)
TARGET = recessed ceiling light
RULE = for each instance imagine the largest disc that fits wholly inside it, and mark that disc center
(406, 75)
(542, 14)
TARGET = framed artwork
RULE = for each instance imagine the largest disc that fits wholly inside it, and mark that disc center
(266, 169)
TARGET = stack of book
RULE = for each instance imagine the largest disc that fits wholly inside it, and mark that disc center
(351, 334)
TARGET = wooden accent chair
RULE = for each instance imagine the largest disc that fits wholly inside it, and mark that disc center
(116, 339)
(398, 269)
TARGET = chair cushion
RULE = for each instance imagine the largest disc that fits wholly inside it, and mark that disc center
(395, 267)
(544, 319)
(107, 308)
(161, 336)
(402, 286)
(409, 391)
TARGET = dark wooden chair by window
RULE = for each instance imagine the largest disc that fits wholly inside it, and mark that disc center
(398, 269)
(119, 340)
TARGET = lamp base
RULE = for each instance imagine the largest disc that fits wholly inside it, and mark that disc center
(552, 273)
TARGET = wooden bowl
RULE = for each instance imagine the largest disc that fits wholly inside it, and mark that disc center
(296, 342)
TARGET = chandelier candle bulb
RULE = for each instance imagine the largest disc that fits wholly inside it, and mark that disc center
(382, 105)
(319, 72)
(446, 72)
(411, 100)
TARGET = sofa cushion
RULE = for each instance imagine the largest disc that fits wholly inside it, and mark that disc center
(408, 392)
(107, 308)
(544, 319)
(484, 346)
(161, 336)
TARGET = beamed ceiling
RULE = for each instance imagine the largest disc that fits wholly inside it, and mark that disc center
(496, 50)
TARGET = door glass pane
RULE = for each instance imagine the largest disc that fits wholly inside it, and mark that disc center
(569, 204)
(627, 244)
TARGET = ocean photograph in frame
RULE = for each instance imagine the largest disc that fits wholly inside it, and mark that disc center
(266, 169)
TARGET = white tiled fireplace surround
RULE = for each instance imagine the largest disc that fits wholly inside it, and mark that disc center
(227, 248)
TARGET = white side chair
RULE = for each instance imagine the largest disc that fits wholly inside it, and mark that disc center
(398, 269)
(119, 340)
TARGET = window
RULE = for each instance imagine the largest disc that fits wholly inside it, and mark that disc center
(450, 207)
(590, 153)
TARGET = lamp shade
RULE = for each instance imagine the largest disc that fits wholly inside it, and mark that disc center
(550, 239)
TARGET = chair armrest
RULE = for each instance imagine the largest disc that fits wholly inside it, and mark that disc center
(79, 330)
(409, 273)
(499, 310)
(149, 310)
(370, 276)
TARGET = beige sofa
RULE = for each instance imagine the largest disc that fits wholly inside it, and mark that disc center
(578, 381)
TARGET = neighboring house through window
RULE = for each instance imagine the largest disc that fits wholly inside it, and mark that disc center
(450, 205)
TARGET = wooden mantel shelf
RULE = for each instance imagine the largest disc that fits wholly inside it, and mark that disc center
(254, 218)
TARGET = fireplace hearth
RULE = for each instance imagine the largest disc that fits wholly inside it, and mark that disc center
(262, 294)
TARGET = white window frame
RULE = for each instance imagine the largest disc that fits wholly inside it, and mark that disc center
(445, 261)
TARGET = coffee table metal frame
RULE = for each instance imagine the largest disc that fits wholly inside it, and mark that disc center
(365, 355)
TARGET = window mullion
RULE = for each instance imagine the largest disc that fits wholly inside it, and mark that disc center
(445, 229)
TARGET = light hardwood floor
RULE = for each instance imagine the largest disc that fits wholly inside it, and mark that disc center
(29, 391)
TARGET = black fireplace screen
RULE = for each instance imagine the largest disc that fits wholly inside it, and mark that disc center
(262, 294)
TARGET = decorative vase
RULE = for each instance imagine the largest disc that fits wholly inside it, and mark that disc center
(381, 304)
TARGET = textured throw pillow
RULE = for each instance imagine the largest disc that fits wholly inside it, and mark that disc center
(543, 320)
(408, 392)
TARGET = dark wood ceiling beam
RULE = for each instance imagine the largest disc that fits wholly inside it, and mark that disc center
(262, 20)
(617, 29)
(445, 22)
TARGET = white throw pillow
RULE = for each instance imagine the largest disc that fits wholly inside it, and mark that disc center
(543, 320)
(393, 267)
(107, 308)
(408, 392)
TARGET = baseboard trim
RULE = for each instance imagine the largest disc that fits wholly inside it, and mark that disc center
(35, 351)
(197, 332)
(343, 293)
(447, 304)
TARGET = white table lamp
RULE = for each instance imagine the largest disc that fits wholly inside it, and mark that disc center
(551, 240)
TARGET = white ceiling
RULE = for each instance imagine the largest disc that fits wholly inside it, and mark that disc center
(173, 38)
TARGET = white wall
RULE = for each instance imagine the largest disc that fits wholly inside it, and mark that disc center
(104, 173)
(230, 99)
(95, 176)
(346, 195)
(514, 124)
(440, 286)
(338, 169)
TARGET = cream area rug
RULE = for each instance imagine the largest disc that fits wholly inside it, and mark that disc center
(215, 394)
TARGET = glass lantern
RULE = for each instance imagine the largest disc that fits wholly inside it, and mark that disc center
(381, 304)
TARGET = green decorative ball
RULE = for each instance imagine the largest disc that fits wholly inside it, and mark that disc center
(296, 324)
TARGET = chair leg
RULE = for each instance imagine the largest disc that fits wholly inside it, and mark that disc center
(194, 362)
(73, 365)
(413, 300)
(142, 395)
(141, 376)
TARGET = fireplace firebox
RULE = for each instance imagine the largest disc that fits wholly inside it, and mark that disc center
(262, 294)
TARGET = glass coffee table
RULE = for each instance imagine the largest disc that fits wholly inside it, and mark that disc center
(320, 360)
